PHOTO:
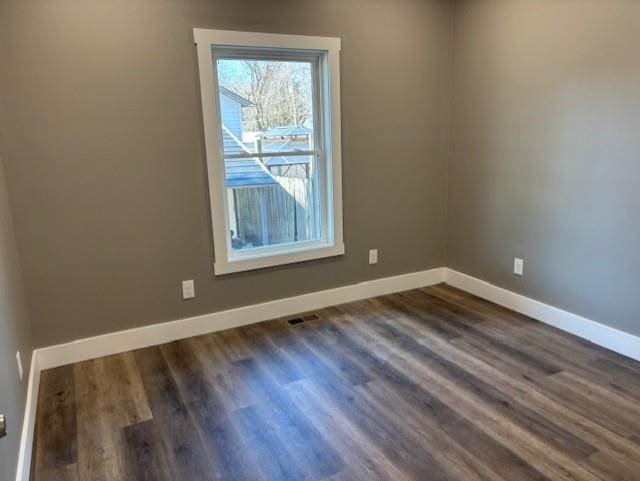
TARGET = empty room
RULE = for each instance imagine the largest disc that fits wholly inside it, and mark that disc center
(319, 240)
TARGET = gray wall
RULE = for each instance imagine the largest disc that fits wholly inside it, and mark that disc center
(546, 152)
(15, 334)
(103, 149)
(104, 152)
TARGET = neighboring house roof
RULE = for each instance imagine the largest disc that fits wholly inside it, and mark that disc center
(287, 144)
(234, 96)
(247, 173)
(276, 145)
(243, 172)
(289, 131)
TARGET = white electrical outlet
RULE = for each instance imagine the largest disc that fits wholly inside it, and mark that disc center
(188, 289)
(373, 256)
(19, 361)
(518, 266)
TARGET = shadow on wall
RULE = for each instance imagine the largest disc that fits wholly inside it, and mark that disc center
(15, 335)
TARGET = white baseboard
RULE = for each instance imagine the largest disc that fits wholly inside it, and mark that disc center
(155, 334)
(29, 421)
(600, 334)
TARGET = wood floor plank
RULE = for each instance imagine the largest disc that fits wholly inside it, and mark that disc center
(455, 457)
(264, 351)
(583, 427)
(213, 424)
(500, 402)
(498, 457)
(618, 376)
(271, 453)
(401, 448)
(554, 464)
(365, 459)
(502, 344)
(57, 447)
(507, 380)
(604, 407)
(315, 455)
(68, 472)
(439, 324)
(609, 466)
(146, 455)
(430, 384)
(603, 372)
(410, 390)
(186, 455)
(562, 344)
(124, 387)
(101, 454)
(352, 371)
(219, 371)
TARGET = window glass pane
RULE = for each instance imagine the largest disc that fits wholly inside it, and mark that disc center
(274, 202)
(267, 107)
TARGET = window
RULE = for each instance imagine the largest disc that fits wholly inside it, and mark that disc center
(271, 115)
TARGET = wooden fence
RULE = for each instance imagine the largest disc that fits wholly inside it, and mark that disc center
(284, 212)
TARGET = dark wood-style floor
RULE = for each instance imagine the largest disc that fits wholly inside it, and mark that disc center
(430, 384)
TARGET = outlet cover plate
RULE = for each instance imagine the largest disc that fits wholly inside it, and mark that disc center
(518, 266)
(188, 289)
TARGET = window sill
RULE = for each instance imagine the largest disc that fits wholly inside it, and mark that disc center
(262, 261)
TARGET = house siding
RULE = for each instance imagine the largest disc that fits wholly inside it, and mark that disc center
(231, 112)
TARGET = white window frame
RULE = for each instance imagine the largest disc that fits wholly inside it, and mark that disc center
(331, 244)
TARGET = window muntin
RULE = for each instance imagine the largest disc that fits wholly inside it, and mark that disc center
(272, 147)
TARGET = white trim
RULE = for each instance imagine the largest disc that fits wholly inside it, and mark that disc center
(28, 424)
(327, 113)
(295, 254)
(600, 334)
(270, 40)
(155, 334)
